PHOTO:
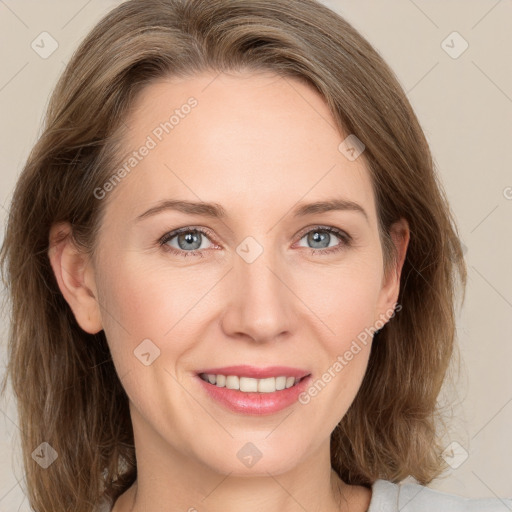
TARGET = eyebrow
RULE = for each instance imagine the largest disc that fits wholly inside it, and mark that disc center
(215, 210)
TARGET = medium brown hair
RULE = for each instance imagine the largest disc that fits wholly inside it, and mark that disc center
(66, 386)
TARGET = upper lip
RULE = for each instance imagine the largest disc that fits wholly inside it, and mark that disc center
(256, 372)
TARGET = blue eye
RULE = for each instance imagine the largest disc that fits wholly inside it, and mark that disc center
(322, 236)
(186, 238)
(190, 240)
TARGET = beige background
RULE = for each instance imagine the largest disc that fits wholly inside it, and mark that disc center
(465, 108)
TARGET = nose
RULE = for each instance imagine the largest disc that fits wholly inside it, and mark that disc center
(261, 301)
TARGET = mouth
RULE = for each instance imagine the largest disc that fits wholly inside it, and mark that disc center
(254, 391)
(250, 384)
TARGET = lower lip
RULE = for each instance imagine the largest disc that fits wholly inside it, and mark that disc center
(255, 403)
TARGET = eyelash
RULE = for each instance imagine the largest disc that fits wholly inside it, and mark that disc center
(345, 237)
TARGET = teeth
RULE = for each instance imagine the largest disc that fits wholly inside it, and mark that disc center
(232, 382)
(280, 383)
(247, 384)
(250, 385)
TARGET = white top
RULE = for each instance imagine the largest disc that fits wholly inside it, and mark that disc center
(409, 497)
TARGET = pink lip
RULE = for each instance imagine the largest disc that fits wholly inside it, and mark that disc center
(256, 404)
(257, 373)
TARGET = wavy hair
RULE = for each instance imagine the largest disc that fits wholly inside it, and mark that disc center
(67, 390)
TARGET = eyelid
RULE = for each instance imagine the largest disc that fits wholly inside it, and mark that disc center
(319, 227)
(169, 235)
(345, 237)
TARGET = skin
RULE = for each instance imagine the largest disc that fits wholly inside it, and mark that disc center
(256, 144)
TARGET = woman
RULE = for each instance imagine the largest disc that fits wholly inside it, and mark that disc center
(232, 271)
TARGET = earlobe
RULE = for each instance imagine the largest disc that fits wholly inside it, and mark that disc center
(75, 277)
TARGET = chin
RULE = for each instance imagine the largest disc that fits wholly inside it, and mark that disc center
(252, 459)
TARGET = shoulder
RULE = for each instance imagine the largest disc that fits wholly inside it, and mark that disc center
(409, 497)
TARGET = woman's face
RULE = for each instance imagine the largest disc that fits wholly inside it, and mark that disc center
(265, 284)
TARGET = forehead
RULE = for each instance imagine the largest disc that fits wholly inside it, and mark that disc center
(250, 141)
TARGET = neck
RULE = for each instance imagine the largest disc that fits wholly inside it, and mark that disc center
(267, 494)
(170, 480)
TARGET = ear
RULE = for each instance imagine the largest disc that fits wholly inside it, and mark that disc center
(388, 297)
(75, 277)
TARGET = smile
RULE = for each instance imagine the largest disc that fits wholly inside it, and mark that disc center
(251, 385)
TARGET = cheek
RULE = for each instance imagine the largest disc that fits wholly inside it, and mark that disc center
(344, 299)
(154, 302)
(149, 323)
(346, 340)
